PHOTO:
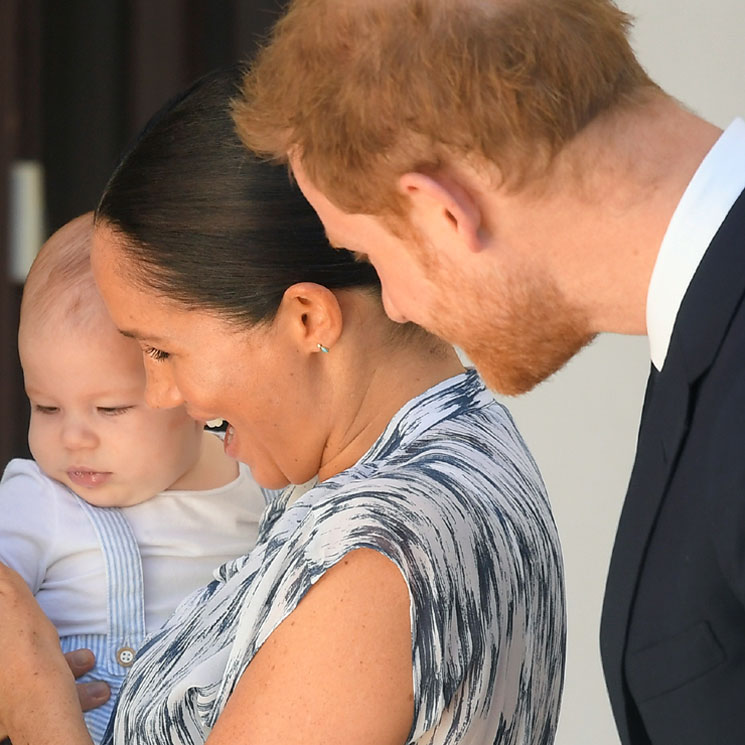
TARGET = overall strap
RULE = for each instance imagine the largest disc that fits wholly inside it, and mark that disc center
(125, 587)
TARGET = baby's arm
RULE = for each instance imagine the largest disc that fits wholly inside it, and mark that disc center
(27, 521)
(27, 530)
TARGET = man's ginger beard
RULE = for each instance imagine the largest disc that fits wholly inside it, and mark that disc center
(517, 332)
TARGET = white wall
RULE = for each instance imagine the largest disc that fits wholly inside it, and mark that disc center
(582, 423)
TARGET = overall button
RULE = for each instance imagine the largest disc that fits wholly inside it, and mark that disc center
(125, 656)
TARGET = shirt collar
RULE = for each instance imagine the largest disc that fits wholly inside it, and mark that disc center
(702, 209)
(450, 397)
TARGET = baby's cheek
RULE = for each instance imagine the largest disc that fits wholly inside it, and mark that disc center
(39, 441)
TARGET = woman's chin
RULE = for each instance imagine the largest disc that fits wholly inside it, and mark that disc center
(272, 480)
(267, 477)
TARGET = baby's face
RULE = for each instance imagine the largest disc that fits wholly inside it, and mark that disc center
(90, 427)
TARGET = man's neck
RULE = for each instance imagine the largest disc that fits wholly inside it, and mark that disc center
(599, 228)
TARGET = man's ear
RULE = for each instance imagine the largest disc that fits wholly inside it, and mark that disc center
(312, 315)
(441, 206)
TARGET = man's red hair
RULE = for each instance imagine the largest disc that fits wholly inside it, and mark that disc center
(366, 90)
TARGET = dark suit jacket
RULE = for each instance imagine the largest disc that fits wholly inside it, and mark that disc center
(673, 629)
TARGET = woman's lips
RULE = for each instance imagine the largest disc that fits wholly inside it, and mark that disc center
(87, 478)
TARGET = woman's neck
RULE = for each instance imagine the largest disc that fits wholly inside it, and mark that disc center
(383, 385)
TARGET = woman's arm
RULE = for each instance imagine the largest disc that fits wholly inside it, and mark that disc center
(91, 695)
(38, 700)
(336, 671)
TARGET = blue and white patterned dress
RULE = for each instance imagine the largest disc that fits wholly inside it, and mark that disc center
(450, 493)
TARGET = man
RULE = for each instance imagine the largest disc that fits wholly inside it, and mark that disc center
(521, 185)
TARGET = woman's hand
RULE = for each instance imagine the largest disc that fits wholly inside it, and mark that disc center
(38, 699)
(93, 694)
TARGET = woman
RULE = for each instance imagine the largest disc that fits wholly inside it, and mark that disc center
(410, 590)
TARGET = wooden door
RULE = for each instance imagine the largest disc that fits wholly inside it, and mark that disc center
(77, 80)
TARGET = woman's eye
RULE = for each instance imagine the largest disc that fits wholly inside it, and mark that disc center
(45, 409)
(113, 410)
(156, 354)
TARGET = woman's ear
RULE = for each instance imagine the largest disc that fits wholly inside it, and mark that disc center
(311, 314)
(443, 210)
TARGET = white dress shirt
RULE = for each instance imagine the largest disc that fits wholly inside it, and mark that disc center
(707, 200)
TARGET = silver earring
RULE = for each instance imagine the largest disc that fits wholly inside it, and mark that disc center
(323, 349)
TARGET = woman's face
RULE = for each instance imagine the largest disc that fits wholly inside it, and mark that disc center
(257, 379)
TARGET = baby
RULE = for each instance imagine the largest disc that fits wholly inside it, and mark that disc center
(125, 510)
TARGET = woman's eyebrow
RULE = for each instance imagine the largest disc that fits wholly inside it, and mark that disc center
(139, 336)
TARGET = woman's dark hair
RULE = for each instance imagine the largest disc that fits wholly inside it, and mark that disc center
(210, 226)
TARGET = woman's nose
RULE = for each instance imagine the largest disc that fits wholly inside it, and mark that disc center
(77, 434)
(161, 391)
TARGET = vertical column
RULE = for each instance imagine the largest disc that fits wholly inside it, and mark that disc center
(8, 128)
(20, 146)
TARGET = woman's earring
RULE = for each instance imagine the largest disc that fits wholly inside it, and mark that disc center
(323, 349)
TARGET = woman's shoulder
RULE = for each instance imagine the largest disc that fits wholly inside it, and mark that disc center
(458, 421)
(422, 514)
(476, 459)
